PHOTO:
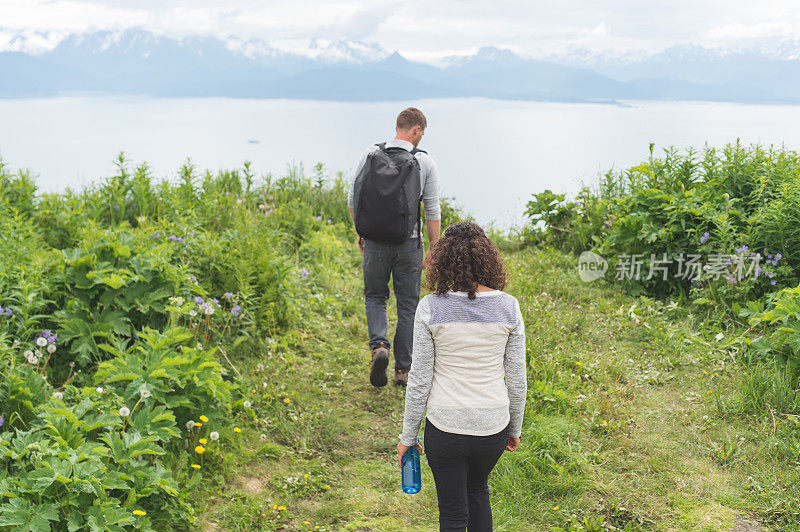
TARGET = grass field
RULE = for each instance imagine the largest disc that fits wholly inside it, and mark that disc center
(632, 423)
(192, 355)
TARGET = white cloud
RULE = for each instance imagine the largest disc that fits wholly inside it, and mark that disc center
(422, 29)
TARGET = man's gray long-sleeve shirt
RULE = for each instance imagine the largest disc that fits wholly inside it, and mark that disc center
(429, 179)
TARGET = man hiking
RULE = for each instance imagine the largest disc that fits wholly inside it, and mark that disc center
(389, 183)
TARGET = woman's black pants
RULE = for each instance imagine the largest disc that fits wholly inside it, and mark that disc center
(461, 465)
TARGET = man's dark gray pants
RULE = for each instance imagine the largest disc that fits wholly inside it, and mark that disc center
(403, 262)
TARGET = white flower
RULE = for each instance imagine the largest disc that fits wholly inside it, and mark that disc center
(193, 313)
(124, 411)
(33, 359)
(145, 393)
(214, 435)
(247, 404)
(263, 437)
(28, 353)
(264, 385)
(141, 219)
(190, 424)
(41, 341)
(199, 346)
(209, 310)
(58, 395)
(51, 348)
(99, 390)
(239, 201)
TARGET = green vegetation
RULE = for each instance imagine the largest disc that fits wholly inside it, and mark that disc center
(191, 355)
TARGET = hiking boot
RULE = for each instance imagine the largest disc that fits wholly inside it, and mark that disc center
(377, 370)
(401, 377)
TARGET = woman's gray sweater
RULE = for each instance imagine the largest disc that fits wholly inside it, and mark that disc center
(468, 365)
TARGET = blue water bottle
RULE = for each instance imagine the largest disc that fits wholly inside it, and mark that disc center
(411, 472)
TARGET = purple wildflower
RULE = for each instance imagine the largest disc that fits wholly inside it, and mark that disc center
(8, 311)
(778, 256)
(773, 282)
(1, 420)
(330, 221)
(304, 273)
(227, 295)
(235, 310)
(198, 300)
(702, 238)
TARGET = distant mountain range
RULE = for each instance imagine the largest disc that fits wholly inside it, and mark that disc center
(136, 62)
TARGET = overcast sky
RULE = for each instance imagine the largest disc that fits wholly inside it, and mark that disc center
(423, 30)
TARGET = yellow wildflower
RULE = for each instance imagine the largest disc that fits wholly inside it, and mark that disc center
(305, 476)
(237, 430)
(555, 508)
(204, 419)
(274, 506)
(198, 424)
(282, 508)
(287, 401)
(139, 512)
(199, 449)
(196, 466)
(326, 487)
(203, 441)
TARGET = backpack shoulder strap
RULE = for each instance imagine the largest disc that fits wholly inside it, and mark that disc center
(417, 150)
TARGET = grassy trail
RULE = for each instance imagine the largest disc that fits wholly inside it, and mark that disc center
(624, 424)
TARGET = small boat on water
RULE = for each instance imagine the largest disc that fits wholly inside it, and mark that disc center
(253, 141)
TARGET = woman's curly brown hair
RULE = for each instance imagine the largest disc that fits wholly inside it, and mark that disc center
(462, 259)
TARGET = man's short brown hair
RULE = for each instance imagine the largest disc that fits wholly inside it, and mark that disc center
(411, 117)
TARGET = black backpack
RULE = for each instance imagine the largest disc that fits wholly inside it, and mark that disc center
(387, 194)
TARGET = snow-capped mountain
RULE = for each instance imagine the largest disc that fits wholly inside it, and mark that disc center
(138, 61)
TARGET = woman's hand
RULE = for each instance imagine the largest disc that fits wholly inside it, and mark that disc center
(512, 444)
(401, 450)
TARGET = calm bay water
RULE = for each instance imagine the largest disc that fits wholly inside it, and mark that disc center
(492, 155)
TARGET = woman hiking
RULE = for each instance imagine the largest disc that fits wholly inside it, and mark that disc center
(467, 374)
